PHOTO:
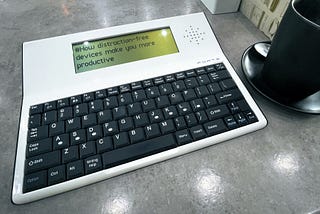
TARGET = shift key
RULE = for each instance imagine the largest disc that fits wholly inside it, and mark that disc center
(44, 161)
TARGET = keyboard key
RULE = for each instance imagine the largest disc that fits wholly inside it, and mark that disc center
(217, 112)
(56, 128)
(200, 71)
(148, 105)
(152, 131)
(87, 97)
(75, 169)
(158, 81)
(183, 137)
(65, 113)
(231, 122)
(210, 101)
(227, 84)
(167, 126)
(126, 124)
(136, 86)
(240, 118)
(36, 109)
(80, 110)
(110, 102)
(43, 161)
(201, 116)
(77, 137)
(170, 78)
(228, 96)
(141, 120)
(210, 68)
(202, 91)
(234, 107)
(165, 89)
(104, 116)
(219, 66)
(37, 133)
(191, 120)
(120, 140)
(60, 141)
(152, 92)
(184, 108)
(214, 88)
(197, 105)
(125, 99)
(189, 95)
(94, 133)
(162, 101)
(203, 79)
(113, 91)
(155, 116)
(89, 120)
(49, 117)
(134, 108)
(56, 174)
(218, 75)
(92, 164)
(175, 98)
(243, 105)
(197, 132)
(73, 124)
(50, 106)
(100, 94)
(70, 154)
(191, 82)
(191, 73)
(180, 76)
(136, 135)
(34, 121)
(35, 181)
(180, 123)
(75, 100)
(139, 95)
(95, 106)
(138, 150)
(87, 149)
(178, 86)
(104, 144)
(119, 112)
(215, 127)
(39, 147)
(147, 83)
(110, 128)
(170, 112)
(250, 117)
(124, 88)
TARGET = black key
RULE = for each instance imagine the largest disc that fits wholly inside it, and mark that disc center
(202, 91)
(227, 84)
(214, 88)
(175, 98)
(87, 97)
(34, 120)
(218, 75)
(189, 95)
(191, 120)
(152, 92)
(148, 105)
(228, 96)
(191, 82)
(240, 118)
(165, 89)
(112, 91)
(155, 116)
(162, 101)
(36, 109)
(170, 112)
(104, 116)
(197, 132)
(178, 86)
(56, 174)
(124, 88)
(158, 81)
(184, 108)
(141, 120)
(126, 124)
(61, 141)
(110, 128)
(201, 116)
(147, 83)
(170, 78)
(152, 131)
(49, 117)
(110, 102)
(39, 147)
(75, 169)
(56, 128)
(37, 133)
(119, 112)
(215, 127)
(210, 68)
(49, 106)
(136, 135)
(70, 154)
(125, 99)
(73, 124)
(219, 66)
(104, 144)
(180, 76)
(89, 120)
(167, 127)
(80, 109)
(234, 107)
(210, 101)
(101, 94)
(139, 95)
(65, 113)
(203, 79)
(180, 123)
(190, 73)
(78, 136)
(217, 112)
(243, 105)
(95, 106)
(251, 118)
(43, 161)
(197, 105)
(74, 100)
(120, 140)
(183, 137)
(231, 122)
(200, 71)
(136, 86)
(35, 181)
(94, 133)
(134, 108)
(138, 150)
(87, 149)
(92, 164)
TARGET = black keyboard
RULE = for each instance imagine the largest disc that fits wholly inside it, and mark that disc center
(79, 135)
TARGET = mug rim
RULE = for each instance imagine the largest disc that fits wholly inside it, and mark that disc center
(300, 15)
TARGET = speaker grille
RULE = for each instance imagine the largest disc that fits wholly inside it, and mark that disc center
(194, 35)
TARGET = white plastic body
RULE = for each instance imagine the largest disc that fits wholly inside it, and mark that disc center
(49, 74)
(222, 6)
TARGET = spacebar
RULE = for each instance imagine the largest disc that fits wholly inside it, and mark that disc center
(138, 150)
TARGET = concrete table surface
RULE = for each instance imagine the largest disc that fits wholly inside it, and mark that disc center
(274, 170)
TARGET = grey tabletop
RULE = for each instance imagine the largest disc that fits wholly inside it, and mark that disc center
(274, 170)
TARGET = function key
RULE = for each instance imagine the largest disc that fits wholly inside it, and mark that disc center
(210, 68)
(191, 73)
(63, 103)
(50, 106)
(200, 71)
(147, 83)
(113, 91)
(170, 78)
(36, 109)
(219, 75)
(74, 100)
(136, 85)
(124, 88)
(180, 76)
(219, 66)
(158, 81)
(100, 94)
(87, 97)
